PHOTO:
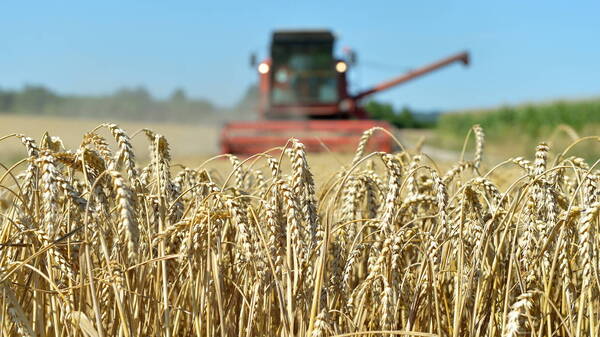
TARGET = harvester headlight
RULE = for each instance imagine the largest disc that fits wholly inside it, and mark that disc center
(263, 68)
(341, 67)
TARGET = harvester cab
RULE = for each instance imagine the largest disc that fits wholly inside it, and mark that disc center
(304, 94)
(302, 79)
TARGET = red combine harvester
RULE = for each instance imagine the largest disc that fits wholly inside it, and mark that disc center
(304, 94)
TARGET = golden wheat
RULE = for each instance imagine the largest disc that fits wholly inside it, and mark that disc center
(94, 243)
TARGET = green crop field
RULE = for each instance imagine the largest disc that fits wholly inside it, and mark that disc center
(516, 129)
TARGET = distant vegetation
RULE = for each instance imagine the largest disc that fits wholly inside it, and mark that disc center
(127, 103)
(533, 119)
(521, 126)
(403, 118)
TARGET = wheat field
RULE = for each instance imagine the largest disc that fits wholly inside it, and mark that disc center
(189, 141)
(97, 243)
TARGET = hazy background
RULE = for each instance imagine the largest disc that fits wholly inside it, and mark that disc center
(535, 64)
(522, 50)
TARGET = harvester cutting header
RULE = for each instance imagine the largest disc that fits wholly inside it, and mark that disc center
(303, 92)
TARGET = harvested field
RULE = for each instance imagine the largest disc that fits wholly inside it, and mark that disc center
(187, 140)
(97, 243)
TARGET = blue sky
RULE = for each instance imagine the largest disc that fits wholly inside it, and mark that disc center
(521, 50)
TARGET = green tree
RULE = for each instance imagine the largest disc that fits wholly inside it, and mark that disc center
(379, 110)
(7, 100)
(178, 96)
(36, 99)
(406, 118)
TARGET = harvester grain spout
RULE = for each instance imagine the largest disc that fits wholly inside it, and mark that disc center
(304, 94)
(460, 57)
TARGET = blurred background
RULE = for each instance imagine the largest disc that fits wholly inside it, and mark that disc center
(183, 67)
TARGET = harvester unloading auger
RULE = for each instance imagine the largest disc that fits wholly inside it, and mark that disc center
(304, 94)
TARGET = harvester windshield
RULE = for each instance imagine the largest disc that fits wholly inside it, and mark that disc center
(303, 69)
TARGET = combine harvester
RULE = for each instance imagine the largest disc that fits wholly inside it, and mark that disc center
(304, 94)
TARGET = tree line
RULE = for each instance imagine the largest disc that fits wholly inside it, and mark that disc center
(127, 103)
(137, 103)
(403, 118)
